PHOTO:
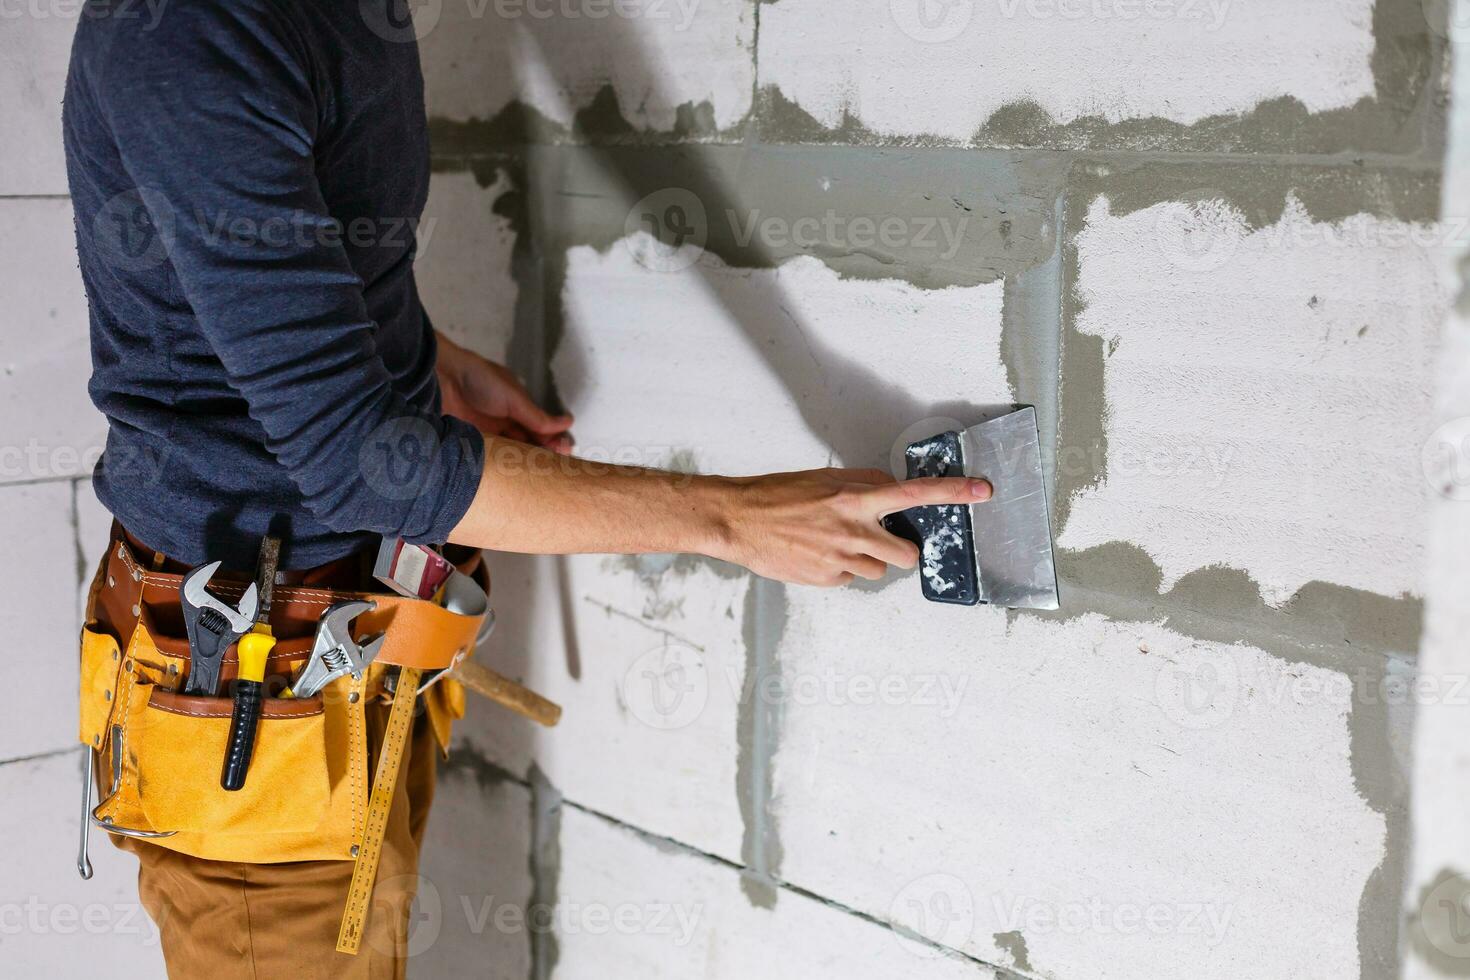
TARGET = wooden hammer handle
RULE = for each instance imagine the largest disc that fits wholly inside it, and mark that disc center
(504, 691)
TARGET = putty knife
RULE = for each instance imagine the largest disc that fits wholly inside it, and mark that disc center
(997, 552)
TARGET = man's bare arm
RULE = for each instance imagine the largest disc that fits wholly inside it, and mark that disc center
(819, 527)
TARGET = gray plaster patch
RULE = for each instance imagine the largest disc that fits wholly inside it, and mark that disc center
(546, 808)
(1014, 944)
(757, 730)
(970, 217)
(600, 122)
(466, 761)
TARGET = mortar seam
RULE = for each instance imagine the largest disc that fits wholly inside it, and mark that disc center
(38, 756)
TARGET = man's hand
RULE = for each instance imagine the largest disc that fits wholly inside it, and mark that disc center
(489, 397)
(821, 527)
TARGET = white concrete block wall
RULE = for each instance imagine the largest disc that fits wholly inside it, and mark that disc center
(1067, 738)
(703, 390)
(40, 615)
(1106, 794)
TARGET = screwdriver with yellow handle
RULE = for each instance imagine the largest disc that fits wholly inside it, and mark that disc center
(254, 650)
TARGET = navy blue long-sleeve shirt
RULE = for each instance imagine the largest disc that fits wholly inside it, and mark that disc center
(246, 177)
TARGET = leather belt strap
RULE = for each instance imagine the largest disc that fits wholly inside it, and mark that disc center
(419, 634)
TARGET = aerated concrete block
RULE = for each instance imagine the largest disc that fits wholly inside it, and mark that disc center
(52, 923)
(1082, 799)
(34, 50)
(474, 877)
(39, 615)
(647, 659)
(744, 371)
(1156, 75)
(629, 906)
(1263, 380)
(463, 264)
(48, 426)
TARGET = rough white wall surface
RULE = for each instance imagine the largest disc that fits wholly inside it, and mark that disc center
(35, 42)
(754, 349)
(918, 67)
(52, 923)
(631, 907)
(463, 263)
(39, 617)
(648, 733)
(474, 878)
(481, 55)
(1133, 802)
(1437, 884)
(48, 427)
(1263, 391)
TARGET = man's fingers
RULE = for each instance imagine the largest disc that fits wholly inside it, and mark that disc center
(929, 491)
(871, 477)
(530, 415)
(868, 567)
(561, 443)
(891, 549)
(493, 425)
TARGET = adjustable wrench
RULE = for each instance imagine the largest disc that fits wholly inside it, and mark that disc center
(212, 627)
(334, 652)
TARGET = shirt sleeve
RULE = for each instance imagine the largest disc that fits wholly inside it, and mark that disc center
(215, 114)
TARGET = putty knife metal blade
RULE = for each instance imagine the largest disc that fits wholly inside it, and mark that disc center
(1012, 530)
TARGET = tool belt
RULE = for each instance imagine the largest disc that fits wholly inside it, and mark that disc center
(158, 751)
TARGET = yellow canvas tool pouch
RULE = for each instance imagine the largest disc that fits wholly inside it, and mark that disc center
(159, 752)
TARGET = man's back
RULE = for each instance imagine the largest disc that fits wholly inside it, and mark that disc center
(247, 175)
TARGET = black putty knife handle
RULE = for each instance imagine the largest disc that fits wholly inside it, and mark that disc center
(244, 721)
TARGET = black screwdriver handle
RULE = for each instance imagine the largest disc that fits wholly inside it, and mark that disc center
(244, 720)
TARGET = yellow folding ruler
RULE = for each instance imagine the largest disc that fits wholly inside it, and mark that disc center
(390, 760)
